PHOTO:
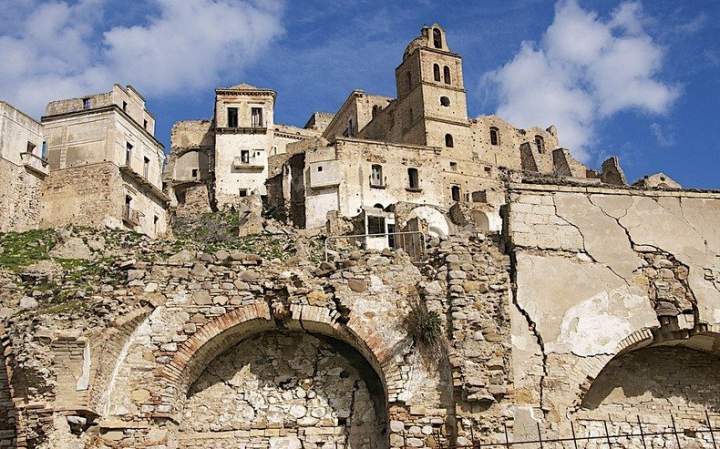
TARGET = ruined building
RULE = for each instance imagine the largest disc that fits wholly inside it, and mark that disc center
(537, 298)
(95, 161)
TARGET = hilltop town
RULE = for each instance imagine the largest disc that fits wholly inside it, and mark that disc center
(394, 274)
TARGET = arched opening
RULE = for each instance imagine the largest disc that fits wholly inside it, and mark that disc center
(409, 80)
(436, 72)
(445, 101)
(540, 144)
(314, 389)
(494, 136)
(375, 111)
(449, 142)
(659, 380)
(446, 75)
(437, 38)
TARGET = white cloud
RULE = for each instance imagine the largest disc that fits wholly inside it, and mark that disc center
(583, 70)
(663, 136)
(58, 49)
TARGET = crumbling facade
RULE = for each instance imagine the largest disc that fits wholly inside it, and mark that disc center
(105, 163)
(423, 292)
(22, 169)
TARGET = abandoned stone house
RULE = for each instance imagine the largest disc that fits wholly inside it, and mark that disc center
(568, 301)
(96, 160)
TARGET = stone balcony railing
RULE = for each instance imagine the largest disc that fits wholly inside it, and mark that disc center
(252, 164)
(35, 163)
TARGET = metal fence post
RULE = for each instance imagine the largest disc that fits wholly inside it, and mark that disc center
(677, 437)
(712, 435)
(607, 434)
(642, 434)
(572, 428)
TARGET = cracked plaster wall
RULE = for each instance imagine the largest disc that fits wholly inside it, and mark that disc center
(601, 270)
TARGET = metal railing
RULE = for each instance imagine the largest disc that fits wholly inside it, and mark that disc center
(34, 162)
(412, 242)
(643, 435)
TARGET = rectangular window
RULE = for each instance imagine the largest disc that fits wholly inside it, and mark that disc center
(256, 117)
(232, 117)
(243, 192)
(376, 176)
(124, 106)
(128, 153)
(145, 124)
(245, 156)
(86, 103)
(30, 147)
(376, 225)
(156, 219)
(413, 179)
(194, 173)
(146, 167)
(43, 152)
(453, 166)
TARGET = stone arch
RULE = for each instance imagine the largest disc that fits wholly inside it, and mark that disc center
(229, 329)
(645, 378)
(590, 370)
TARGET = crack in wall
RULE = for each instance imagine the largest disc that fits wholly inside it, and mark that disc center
(531, 325)
(582, 236)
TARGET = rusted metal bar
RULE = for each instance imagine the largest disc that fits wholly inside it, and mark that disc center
(642, 434)
(607, 435)
(572, 428)
(677, 437)
(539, 434)
(712, 435)
(507, 438)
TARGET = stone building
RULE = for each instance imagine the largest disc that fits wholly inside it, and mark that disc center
(419, 148)
(23, 167)
(556, 301)
(226, 158)
(105, 163)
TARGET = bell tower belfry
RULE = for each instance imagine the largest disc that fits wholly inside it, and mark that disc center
(432, 105)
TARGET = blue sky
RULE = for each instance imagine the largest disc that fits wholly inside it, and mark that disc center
(637, 79)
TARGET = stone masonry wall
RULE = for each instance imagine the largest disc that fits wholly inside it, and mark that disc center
(88, 195)
(19, 198)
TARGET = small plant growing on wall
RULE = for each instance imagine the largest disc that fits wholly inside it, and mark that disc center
(425, 328)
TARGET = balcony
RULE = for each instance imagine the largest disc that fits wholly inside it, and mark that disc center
(247, 164)
(34, 163)
(131, 216)
(241, 130)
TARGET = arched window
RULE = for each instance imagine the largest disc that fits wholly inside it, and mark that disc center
(455, 192)
(449, 141)
(540, 143)
(436, 72)
(409, 80)
(446, 74)
(437, 38)
(494, 136)
(445, 101)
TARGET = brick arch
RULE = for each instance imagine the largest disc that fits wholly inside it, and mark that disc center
(642, 338)
(226, 330)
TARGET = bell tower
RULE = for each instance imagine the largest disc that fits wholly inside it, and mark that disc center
(432, 103)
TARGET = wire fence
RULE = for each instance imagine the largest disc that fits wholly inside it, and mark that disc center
(643, 435)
